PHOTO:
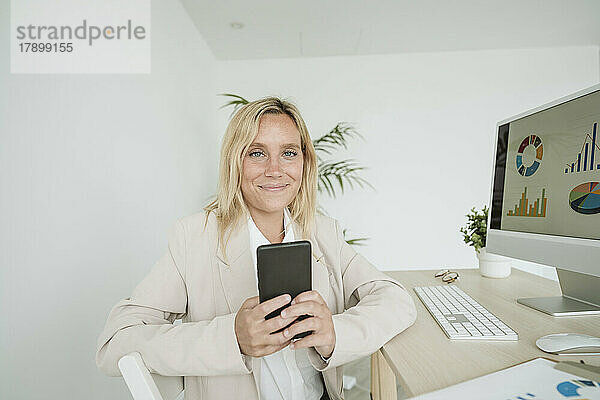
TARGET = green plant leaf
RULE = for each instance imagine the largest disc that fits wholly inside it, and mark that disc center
(356, 241)
(336, 138)
(236, 101)
(474, 233)
(343, 172)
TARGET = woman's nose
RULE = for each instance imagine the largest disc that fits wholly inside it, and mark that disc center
(273, 167)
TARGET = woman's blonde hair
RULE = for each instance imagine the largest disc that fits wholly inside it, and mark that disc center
(229, 206)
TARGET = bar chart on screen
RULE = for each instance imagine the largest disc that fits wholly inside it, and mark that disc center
(588, 158)
(525, 209)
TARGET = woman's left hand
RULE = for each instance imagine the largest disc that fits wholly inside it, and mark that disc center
(320, 322)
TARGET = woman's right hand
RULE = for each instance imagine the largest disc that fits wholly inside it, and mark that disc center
(253, 332)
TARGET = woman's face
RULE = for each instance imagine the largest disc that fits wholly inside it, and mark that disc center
(272, 167)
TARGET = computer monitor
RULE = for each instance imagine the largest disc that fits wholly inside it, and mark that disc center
(545, 200)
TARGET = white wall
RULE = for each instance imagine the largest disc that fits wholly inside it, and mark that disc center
(94, 169)
(429, 123)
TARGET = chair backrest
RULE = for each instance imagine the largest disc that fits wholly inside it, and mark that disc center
(146, 386)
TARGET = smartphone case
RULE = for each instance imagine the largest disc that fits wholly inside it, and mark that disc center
(284, 268)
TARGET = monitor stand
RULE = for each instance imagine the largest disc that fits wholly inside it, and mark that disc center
(580, 296)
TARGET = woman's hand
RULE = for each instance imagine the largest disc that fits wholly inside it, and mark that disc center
(320, 322)
(253, 332)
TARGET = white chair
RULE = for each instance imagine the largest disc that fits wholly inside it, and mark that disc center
(146, 386)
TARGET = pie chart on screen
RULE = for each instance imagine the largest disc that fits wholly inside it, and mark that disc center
(585, 198)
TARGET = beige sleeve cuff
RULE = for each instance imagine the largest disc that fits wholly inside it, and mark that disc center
(245, 361)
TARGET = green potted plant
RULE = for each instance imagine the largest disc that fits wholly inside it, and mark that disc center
(474, 234)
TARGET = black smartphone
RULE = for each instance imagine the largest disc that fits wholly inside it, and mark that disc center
(284, 268)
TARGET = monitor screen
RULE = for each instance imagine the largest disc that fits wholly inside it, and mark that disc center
(547, 173)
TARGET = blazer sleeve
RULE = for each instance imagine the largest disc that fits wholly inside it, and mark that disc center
(377, 308)
(144, 323)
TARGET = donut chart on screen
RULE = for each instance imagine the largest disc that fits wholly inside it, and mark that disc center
(536, 142)
(585, 198)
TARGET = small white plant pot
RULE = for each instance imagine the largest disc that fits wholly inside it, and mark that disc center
(493, 265)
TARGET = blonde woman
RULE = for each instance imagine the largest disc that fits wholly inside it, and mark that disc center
(224, 346)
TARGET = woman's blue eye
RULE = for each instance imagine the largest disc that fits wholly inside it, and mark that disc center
(287, 153)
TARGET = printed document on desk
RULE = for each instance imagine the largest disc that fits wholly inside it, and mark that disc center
(533, 380)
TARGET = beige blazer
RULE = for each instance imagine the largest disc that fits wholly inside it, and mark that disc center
(194, 282)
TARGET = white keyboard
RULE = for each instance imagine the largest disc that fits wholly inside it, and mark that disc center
(461, 317)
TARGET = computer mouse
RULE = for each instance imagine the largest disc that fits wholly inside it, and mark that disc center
(569, 343)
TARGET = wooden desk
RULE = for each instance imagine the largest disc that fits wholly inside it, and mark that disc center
(424, 359)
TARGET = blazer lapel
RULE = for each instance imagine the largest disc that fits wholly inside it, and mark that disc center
(237, 269)
(239, 278)
(320, 273)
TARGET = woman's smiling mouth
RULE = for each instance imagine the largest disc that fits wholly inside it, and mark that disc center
(274, 188)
